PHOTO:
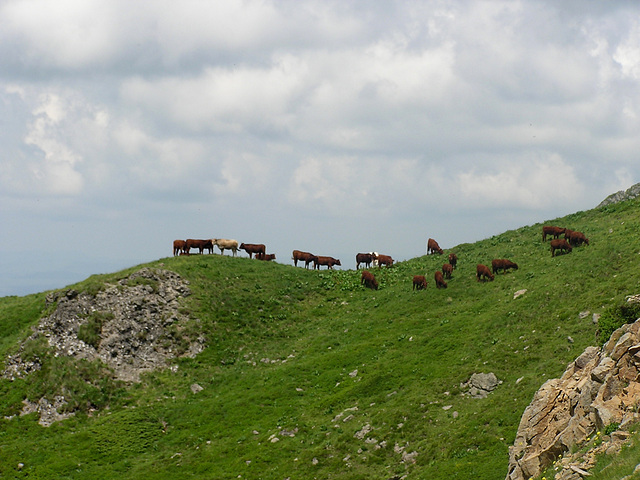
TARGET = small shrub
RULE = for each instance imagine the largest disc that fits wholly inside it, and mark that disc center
(89, 332)
(615, 317)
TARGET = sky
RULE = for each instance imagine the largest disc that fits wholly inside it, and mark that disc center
(334, 127)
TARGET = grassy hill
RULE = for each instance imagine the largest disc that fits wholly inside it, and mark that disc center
(309, 375)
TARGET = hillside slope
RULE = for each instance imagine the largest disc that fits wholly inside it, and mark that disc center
(310, 375)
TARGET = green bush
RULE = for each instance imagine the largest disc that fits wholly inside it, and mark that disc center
(615, 317)
(89, 332)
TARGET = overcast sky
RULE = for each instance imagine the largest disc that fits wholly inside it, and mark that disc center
(331, 127)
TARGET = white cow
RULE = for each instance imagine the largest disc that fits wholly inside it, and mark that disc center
(223, 243)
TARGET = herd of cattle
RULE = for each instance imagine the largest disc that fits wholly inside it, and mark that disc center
(483, 273)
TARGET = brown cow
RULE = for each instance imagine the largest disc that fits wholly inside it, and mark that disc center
(440, 283)
(453, 260)
(560, 244)
(384, 260)
(433, 247)
(502, 264)
(551, 230)
(266, 256)
(447, 270)
(365, 258)
(368, 280)
(576, 238)
(329, 262)
(252, 248)
(419, 282)
(178, 246)
(201, 245)
(483, 272)
(305, 257)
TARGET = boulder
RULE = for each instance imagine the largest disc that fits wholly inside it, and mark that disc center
(600, 388)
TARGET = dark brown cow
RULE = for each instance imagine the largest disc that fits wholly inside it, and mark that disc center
(178, 246)
(503, 264)
(365, 258)
(560, 244)
(483, 273)
(384, 260)
(440, 283)
(576, 238)
(201, 245)
(266, 256)
(447, 270)
(419, 282)
(453, 260)
(368, 280)
(551, 230)
(329, 262)
(252, 248)
(433, 247)
(305, 257)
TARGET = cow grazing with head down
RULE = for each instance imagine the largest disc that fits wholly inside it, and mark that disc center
(560, 244)
(433, 247)
(384, 260)
(178, 247)
(419, 282)
(503, 264)
(447, 270)
(252, 248)
(453, 260)
(365, 258)
(483, 273)
(576, 238)
(551, 230)
(201, 245)
(266, 256)
(440, 283)
(329, 262)
(368, 280)
(225, 243)
(306, 257)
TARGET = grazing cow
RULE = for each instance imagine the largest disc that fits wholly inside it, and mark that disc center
(368, 280)
(419, 282)
(201, 245)
(224, 243)
(503, 264)
(266, 256)
(575, 238)
(252, 248)
(433, 247)
(551, 230)
(178, 246)
(453, 260)
(305, 257)
(328, 261)
(560, 244)
(365, 258)
(440, 283)
(483, 272)
(447, 270)
(384, 260)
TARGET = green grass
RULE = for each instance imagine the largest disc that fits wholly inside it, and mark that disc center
(317, 354)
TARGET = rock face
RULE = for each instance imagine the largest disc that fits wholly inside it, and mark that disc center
(600, 388)
(622, 195)
(130, 326)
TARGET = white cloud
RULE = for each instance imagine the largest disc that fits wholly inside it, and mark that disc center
(530, 183)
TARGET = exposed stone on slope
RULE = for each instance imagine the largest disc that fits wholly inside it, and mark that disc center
(137, 320)
(622, 195)
(600, 388)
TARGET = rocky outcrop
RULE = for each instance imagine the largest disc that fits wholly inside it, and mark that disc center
(132, 326)
(599, 391)
(622, 195)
